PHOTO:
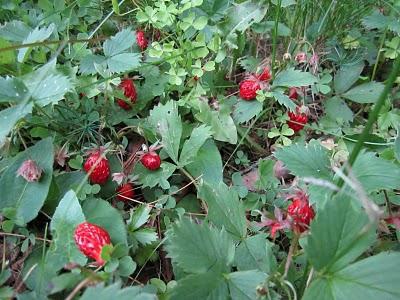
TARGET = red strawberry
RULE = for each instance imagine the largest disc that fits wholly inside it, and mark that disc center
(248, 89)
(301, 212)
(100, 171)
(151, 160)
(299, 117)
(293, 93)
(129, 91)
(125, 192)
(265, 75)
(141, 40)
(90, 240)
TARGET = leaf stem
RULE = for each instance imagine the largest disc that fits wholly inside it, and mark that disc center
(274, 38)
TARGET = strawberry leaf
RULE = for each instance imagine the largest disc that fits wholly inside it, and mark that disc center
(114, 291)
(294, 78)
(243, 284)
(149, 178)
(365, 93)
(213, 248)
(246, 110)
(193, 144)
(12, 90)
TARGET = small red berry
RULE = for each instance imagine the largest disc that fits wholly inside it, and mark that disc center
(129, 91)
(265, 75)
(301, 213)
(101, 170)
(141, 40)
(293, 93)
(151, 160)
(248, 89)
(299, 117)
(125, 192)
(91, 239)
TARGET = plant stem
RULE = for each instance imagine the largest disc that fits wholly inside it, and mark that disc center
(378, 55)
(274, 38)
(373, 116)
(292, 248)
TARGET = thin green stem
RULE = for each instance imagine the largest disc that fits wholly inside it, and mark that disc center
(378, 55)
(373, 116)
(274, 37)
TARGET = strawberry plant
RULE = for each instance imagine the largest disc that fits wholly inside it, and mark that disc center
(199, 149)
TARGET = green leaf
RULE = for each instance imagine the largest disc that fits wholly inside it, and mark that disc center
(36, 35)
(206, 286)
(15, 31)
(214, 9)
(200, 23)
(6, 57)
(284, 100)
(376, 20)
(166, 120)
(101, 212)
(365, 93)
(213, 248)
(208, 163)
(246, 110)
(193, 144)
(126, 266)
(255, 253)
(114, 291)
(225, 208)
(28, 197)
(88, 63)
(347, 76)
(119, 43)
(266, 175)
(306, 161)
(47, 85)
(373, 172)
(10, 116)
(145, 236)
(123, 62)
(139, 217)
(149, 178)
(243, 285)
(337, 110)
(397, 145)
(67, 216)
(294, 78)
(339, 234)
(375, 277)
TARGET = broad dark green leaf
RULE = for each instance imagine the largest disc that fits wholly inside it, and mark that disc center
(10, 116)
(206, 286)
(36, 35)
(347, 76)
(376, 20)
(225, 208)
(339, 234)
(114, 291)
(294, 78)
(208, 164)
(12, 90)
(376, 173)
(167, 122)
(243, 284)
(284, 100)
(88, 62)
(149, 178)
(119, 43)
(214, 9)
(123, 62)
(139, 217)
(101, 212)
(306, 161)
(376, 277)
(25, 197)
(365, 93)
(67, 216)
(15, 31)
(193, 144)
(246, 110)
(212, 247)
(336, 109)
(255, 253)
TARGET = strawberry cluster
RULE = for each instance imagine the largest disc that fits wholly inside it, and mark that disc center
(248, 87)
(297, 119)
(129, 89)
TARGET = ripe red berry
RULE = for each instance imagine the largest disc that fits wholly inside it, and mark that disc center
(125, 192)
(100, 171)
(141, 40)
(301, 213)
(90, 240)
(265, 75)
(293, 93)
(248, 89)
(151, 160)
(299, 117)
(129, 91)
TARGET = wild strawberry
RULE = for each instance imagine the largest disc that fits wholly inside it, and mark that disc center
(129, 91)
(151, 160)
(265, 75)
(125, 192)
(297, 119)
(248, 89)
(293, 93)
(100, 165)
(141, 40)
(91, 239)
(301, 212)
(30, 171)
